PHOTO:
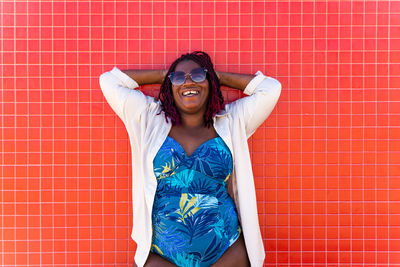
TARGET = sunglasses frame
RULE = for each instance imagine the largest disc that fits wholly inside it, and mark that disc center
(188, 74)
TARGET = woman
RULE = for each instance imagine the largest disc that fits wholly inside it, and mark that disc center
(193, 191)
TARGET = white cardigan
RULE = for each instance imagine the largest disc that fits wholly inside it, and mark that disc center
(147, 132)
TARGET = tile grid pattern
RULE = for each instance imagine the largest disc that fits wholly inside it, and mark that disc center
(325, 162)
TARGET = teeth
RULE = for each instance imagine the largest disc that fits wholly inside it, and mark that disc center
(186, 93)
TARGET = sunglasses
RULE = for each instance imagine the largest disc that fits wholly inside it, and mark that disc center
(179, 77)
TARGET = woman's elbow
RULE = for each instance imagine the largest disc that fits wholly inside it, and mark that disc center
(277, 85)
(275, 88)
(104, 80)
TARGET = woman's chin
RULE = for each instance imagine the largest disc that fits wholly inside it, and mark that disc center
(192, 109)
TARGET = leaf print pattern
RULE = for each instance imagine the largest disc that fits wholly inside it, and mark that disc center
(206, 201)
(194, 218)
(181, 180)
(198, 226)
(201, 186)
(186, 207)
(168, 170)
(157, 249)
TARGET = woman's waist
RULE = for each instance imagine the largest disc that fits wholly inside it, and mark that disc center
(191, 184)
(190, 202)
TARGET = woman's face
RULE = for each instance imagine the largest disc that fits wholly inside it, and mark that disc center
(190, 97)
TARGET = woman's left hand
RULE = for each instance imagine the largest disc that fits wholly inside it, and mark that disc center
(234, 80)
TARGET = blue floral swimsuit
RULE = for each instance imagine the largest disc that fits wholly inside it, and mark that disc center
(194, 218)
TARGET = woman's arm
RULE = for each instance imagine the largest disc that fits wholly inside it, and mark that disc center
(146, 76)
(263, 93)
(117, 88)
(234, 80)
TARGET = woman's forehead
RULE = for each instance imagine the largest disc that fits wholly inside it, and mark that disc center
(186, 66)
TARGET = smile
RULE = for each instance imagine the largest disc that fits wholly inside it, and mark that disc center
(190, 93)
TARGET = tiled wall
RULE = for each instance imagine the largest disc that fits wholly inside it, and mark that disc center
(326, 162)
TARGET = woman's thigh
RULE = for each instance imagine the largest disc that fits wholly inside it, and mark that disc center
(234, 256)
(155, 260)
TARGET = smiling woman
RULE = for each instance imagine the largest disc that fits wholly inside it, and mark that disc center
(189, 96)
(183, 67)
(193, 191)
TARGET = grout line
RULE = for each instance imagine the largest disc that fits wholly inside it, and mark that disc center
(289, 143)
(376, 134)
(325, 150)
(28, 149)
(339, 126)
(351, 135)
(65, 143)
(78, 143)
(90, 132)
(388, 137)
(313, 131)
(53, 139)
(363, 133)
(2, 133)
(40, 137)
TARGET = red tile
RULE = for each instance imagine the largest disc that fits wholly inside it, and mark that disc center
(332, 134)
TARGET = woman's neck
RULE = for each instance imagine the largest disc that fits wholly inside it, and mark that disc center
(192, 120)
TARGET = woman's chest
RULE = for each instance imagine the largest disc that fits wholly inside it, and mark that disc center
(190, 140)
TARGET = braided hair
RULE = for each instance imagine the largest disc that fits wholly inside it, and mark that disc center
(215, 99)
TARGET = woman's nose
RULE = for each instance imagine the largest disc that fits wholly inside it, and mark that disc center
(188, 79)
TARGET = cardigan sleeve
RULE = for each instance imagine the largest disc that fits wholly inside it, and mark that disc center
(263, 94)
(118, 90)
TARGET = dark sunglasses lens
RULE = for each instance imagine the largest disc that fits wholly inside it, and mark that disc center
(198, 75)
(177, 77)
